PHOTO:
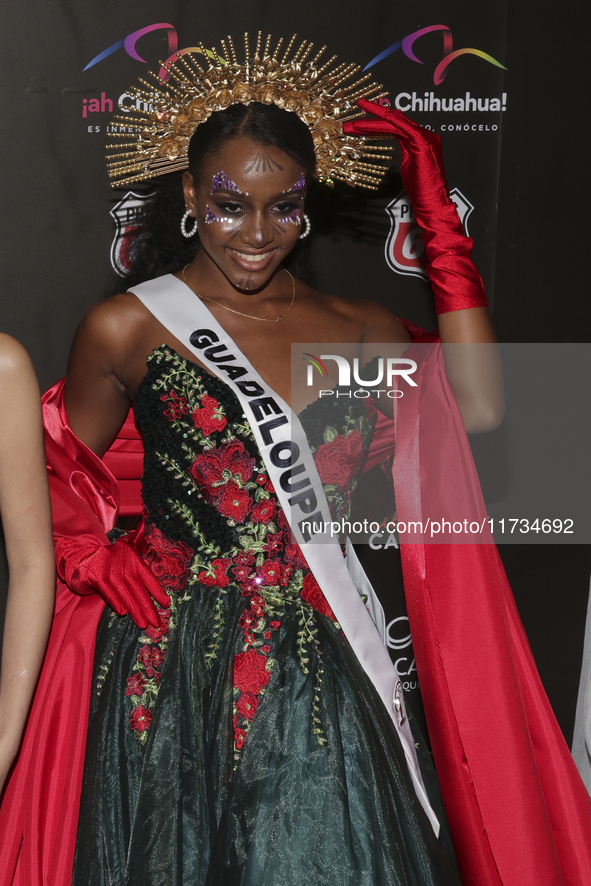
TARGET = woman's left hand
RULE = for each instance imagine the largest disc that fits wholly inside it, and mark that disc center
(456, 282)
(460, 300)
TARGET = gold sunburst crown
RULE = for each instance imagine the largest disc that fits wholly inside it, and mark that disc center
(169, 111)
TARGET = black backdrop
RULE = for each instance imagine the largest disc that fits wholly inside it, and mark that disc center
(522, 168)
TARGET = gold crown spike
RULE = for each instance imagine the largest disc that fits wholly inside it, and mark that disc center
(168, 112)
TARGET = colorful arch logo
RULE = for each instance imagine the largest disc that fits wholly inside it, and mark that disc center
(129, 44)
(449, 54)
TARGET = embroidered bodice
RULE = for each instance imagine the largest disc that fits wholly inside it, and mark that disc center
(213, 519)
(204, 481)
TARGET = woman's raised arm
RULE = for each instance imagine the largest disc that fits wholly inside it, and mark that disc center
(472, 362)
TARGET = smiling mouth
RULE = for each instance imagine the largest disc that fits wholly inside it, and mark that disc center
(252, 259)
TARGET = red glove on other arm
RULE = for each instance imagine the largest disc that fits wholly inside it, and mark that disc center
(114, 571)
(455, 281)
(84, 500)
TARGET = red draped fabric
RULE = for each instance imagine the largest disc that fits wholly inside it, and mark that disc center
(518, 810)
(39, 814)
(125, 460)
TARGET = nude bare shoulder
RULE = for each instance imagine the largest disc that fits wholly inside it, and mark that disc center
(20, 401)
(116, 320)
(14, 359)
(110, 334)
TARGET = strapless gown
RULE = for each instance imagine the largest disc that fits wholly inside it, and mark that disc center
(240, 743)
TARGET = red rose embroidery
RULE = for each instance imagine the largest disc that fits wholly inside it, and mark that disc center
(216, 466)
(140, 718)
(151, 659)
(270, 573)
(209, 417)
(216, 575)
(239, 738)
(247, 705)
(177, 406)
(248, 619)
(264, 511)
(244, 563)
(242, 573)
(135, 685)
(273, 543)
(294, 556)
(250, 671)
(156, 634)
(338, 462)
(243, 558)
(312, 594)
(233, 502)
(168, 560)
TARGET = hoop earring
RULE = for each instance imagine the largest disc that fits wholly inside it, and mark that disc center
(305, 233)
(184, 232)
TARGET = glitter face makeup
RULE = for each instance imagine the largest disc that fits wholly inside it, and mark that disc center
(220, 181)
(294, 219)
(211, 217)
(242, 236)
(300, 186)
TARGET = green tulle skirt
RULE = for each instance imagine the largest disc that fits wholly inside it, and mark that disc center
(317, 793)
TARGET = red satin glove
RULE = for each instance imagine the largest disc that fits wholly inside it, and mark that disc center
(116, 572)
(455, 281)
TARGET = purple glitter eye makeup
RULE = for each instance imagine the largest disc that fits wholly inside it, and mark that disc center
(300, 186)
(294, 219)
(211, 217)
(220, 181)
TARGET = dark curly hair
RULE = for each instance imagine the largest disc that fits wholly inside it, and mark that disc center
(159, 247)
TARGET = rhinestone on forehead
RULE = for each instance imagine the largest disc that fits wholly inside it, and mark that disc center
(153, 139)
(221, 180)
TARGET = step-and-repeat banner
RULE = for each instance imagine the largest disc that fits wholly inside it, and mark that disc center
(67, 69)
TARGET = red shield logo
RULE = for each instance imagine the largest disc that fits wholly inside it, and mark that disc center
(127, 215)
(404, 247)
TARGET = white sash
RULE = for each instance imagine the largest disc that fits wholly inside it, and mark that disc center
(287, 456)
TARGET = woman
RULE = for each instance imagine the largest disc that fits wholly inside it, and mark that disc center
(238, 736)
(26, 521)
(245, 193)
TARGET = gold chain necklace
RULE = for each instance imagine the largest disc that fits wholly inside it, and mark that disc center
(241, 313)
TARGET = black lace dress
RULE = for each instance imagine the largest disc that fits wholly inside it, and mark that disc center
(240, 742)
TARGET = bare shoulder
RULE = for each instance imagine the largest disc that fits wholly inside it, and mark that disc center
(114, 321)
(371, 320)
(14, 359)
(20, 398)
(380, 324)
(19, 388)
